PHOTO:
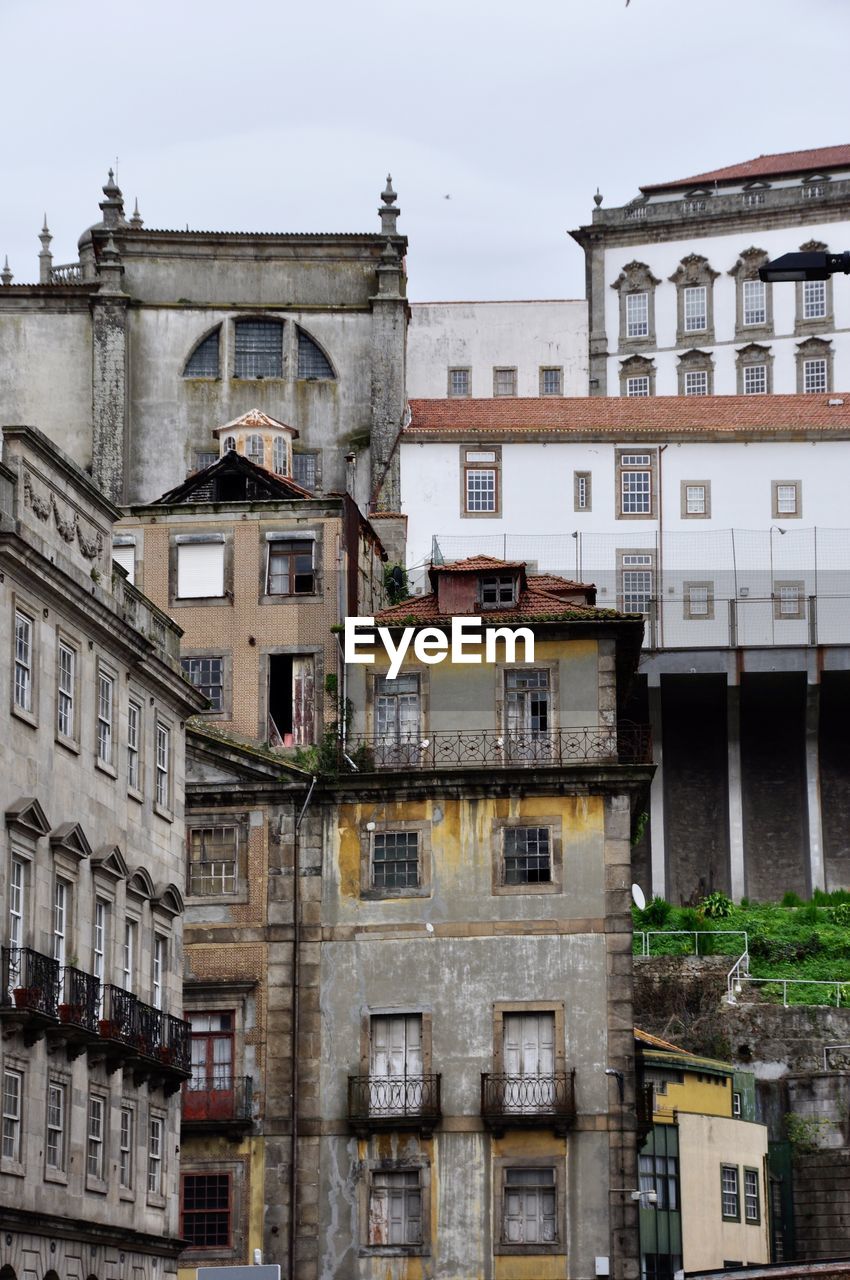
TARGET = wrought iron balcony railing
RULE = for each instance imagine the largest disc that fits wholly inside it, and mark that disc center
(394, 1102)
(176, 1051)
(30, 981)
(147, 1030)
(117, 1015)
(625, 743)
(80, 1003)
(542, 1101)
(217, 1100)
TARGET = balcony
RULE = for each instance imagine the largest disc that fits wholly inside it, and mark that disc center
(155, 1045)
(487, 748)
(217, 1104)
(539, 1102)
(29, 990)
(393, 1102)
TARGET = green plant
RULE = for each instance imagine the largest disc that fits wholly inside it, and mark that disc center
(840, 914)
(805, 1132)
(640, 826)
(691, 918)
(808, 913)
(331, 684)
(396, 584)
(716, 906)
(791, 900)
(657, 912)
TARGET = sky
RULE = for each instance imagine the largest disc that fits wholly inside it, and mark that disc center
(272, 115)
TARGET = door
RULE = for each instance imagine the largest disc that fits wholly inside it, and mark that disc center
(397, 730)
(528, 1055)
(209, 1094)
(527, 718)
(395, 1064)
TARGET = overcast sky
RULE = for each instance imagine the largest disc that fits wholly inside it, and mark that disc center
(273, 115)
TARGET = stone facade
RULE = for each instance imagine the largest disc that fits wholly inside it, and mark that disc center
(91, 888)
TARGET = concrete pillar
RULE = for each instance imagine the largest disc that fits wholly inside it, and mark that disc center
(817, 870)
(656, 795)
(737, 876)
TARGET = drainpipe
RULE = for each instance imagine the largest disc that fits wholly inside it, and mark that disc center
(296, 1010)
(659, 612)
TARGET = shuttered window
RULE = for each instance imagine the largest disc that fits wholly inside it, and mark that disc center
(124, 554)
(200, 569)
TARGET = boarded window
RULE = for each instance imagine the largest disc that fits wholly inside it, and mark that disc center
(529, 1209)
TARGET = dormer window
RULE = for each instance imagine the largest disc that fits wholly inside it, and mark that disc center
(254, 450)
(497, 591)
(228, 445)
(279, 456)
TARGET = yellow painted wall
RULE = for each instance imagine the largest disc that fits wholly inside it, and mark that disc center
(711, 1097)
(250, 1153)
(705, 1143)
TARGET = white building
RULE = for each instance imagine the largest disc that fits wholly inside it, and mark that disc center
(463, 349)
(721, 520)
(675, 303)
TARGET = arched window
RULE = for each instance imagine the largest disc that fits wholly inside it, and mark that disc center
(279, 455)
(228, 444)
(203, 362)
(312, 361)
(259, 349)
(254, 450)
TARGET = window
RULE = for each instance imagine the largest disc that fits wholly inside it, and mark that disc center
(397, 732)
(504, 382)
(305, 469)
(497, 591)
(395, 1208)
(730, 1200)
(54, 1155)
(696, 382)
(481, 482)
(228, 445)
(551, 382)
(158, 969)
(395, 860)
(163, 765)
(789, 601)
(95, 1164)
(814, 377)
(205, 1210)
(279, 456)
(259, 349)
(125, 1149)
(814, 358)
(695, 499)
(736, 1105)
(637, 315)
(105, 716)
(752, 1205)
(527, 713)
(203, 362)
(395, 1053)
(660, 1173)
(17, 903)
(637, 581)
(204, 460)
(529, 1206)
(124, 554)
(636, 488)
(312, 361)
(206, 674)
(786, 499)
(61, 907)
(814, 299)
(100, 929)
(638, 387)
(212, 1057)
(755, 380)
(699, 600)
(255, 450)
(66, 720)
(755, 302)
(696, 308)
(637, 377)
(213, 860)
(527, 855)
(581, 491)
(290, 568)
(134, 722)
(23, 661)
(13, 1090)
(128, 955)
(460, 382)
(155, 1156)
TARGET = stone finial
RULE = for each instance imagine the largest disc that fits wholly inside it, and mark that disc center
(389, 211)
(112, 206)
(136, 219)
(110, 269)
(45, 258)
(389, 272)
(6, 275)
(597, 199)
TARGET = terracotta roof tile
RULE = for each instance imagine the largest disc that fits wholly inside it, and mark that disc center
(780, 164)
(533, 604)
(473, 564)
(621, 416)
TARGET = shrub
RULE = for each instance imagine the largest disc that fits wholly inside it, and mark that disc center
(657, 913)
(791, 900)
(808, 914)
(716, 906)
(691, 918)
(840, 914)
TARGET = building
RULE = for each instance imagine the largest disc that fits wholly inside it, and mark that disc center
(153, 334)
(675, 303)
(476, 969)
(719, 519)
(257, 570)
(94, 1045)
(482, 349)
(705, 1160)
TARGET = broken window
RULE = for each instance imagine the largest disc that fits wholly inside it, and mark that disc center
(497, 591)
(291, 699)
(259, 349)
(279, 456)
(213, 860)
(395, 1208)
(255, 450)
(312, 361)
(290, 567)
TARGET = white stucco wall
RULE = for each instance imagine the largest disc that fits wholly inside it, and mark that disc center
(484, 335)
(706, 1143)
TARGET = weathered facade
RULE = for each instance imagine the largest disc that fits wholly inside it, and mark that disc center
(152, 334)
(94, 1046)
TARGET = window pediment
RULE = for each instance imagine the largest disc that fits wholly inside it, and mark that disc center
(169, 900)
(637, 367)
(694, 269)
(695, 359)
(635, 275)
(70, 838)
(109, 860)
(140, 883)
(814, 348)
(749, 261)
(28, 816)
(813, 246)
(754, 352)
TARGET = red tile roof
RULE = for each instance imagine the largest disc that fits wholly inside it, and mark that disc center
(782, 164)
(535, 604)
(474, 564)
(622, 416)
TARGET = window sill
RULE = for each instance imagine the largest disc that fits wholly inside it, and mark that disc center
(103, 767)
(510, 890)
(56, 1176)
(201, 602)
(156, 1201)
(13, 1168)
(530, 1250)
(224, 899)
(26, 716)
(162, 812)
(309, 597)
(126, 1193)
(138, 796)
(393, 895)
(480, 515)
(96, 1186)
(68, 744)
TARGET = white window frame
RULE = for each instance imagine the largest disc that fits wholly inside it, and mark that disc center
(482, 491)
(96, 1138)
(814, 300)
(786, 500)
(159, 961)
(695, 499)
(23, 665)
(699, 600)
(730, 1193)
(633, 563)
(695, 308)
(637, 315)
(635, 493)
(754, 302)
(255, 449)
(18, 875)
(12, 1115)
(56, 1127)
(696, 382)
(279, 456)
(129, 950)
(100, 941)
(815, 376)
(750, 371)
(752, 1196)
(66, 678)
(62, 890)
(163, 765)
(134, 743)
(126, 1153)
(637, 386)
(105, 719)
(156, 1133)
(582, 491)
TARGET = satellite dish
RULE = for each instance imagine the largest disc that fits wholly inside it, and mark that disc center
(638, 897)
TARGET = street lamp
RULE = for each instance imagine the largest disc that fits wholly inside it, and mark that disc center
(804, 266)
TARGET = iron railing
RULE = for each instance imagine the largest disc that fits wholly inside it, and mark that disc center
(541, 1100)
(394, 1101)
(601, 744)
(217, 1098)
(117, 1014)
(147, 1030)
(80, 999)
(30, 980)
(177, 1047)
